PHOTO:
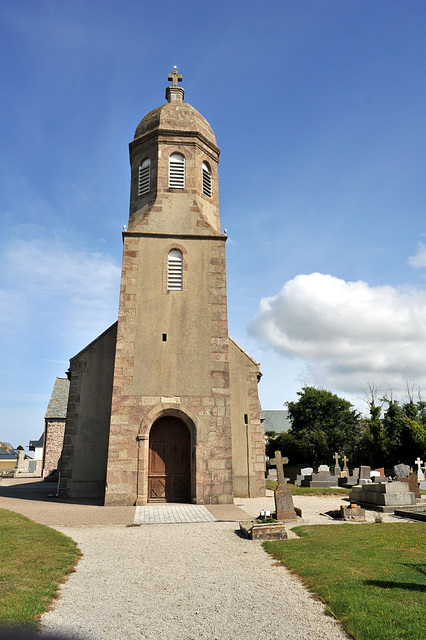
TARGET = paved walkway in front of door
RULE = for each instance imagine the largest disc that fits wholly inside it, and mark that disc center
(170, 513)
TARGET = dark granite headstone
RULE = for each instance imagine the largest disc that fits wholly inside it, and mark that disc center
(319, 480)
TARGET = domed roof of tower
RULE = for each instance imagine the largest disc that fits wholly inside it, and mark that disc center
(175, 115)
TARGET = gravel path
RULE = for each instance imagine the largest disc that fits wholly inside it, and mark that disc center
(182, 582)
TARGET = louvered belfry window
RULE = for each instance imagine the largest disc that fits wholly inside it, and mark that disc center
(207, 180)
(144, 177)
(175, 270)
(176, 171)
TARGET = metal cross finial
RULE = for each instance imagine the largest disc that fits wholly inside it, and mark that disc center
(175, 77)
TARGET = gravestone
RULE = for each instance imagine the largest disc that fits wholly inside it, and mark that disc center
(283, 498)
(364, 475)
(279, 462)
(378, 475)
(324, 468)
(272, 474)
(337, 469)
(306, 471)
(401, 470)
(413, 484)
(381, 495)
(320, 480)
(420, 473)
(345, 471)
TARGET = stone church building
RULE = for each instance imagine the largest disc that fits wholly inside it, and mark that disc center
(163, 406)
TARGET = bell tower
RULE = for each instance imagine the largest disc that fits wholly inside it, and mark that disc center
(171, 373)
(174, 170)
(163, 406)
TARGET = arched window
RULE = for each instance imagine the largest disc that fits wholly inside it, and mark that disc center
(207, 180)
(175, 270)
(144, 177)
(176, 171)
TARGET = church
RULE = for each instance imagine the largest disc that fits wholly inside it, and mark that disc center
(163, 406)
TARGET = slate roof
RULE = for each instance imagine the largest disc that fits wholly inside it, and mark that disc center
(276, 420)
(57, 407)
(36, 444)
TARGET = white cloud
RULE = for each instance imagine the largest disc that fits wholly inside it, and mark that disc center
(46, 284)
(348, 333)
(419, 259)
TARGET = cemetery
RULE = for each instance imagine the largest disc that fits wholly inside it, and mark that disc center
(370, 489)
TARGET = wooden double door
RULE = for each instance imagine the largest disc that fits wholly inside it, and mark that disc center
(169, 470)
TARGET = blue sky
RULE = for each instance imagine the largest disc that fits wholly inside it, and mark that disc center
(318, 107)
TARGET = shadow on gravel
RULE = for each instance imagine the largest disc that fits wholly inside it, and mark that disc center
(37, 489)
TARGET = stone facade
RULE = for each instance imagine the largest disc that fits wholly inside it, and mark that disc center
(169, 355)
(54, 426)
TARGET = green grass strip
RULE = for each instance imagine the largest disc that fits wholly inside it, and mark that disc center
(371, 576)
(308, 491)
(34, 560)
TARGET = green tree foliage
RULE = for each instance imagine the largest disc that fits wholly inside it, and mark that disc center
(395, 428)
(296, 449)
(322, 423)
(400, 436)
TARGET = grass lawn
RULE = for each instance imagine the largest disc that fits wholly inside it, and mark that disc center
(307, 491)
(34, 561)
(371, 576)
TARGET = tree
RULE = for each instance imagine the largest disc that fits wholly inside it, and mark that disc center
(323, 423)
(395, 428)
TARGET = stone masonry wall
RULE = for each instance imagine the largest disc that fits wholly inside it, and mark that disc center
(130, 421)
(53, 441)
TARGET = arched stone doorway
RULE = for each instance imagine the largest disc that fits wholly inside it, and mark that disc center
(169, 463)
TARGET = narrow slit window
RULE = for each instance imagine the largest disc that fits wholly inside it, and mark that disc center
(175, 270)
(144, 178)
(176, 171)
(207, 180)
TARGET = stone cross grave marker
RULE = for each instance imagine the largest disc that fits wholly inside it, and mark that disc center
(420, 473)
(337, 469)
(345, 471)
(284, 508)
(175, 77)
(279, 462)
